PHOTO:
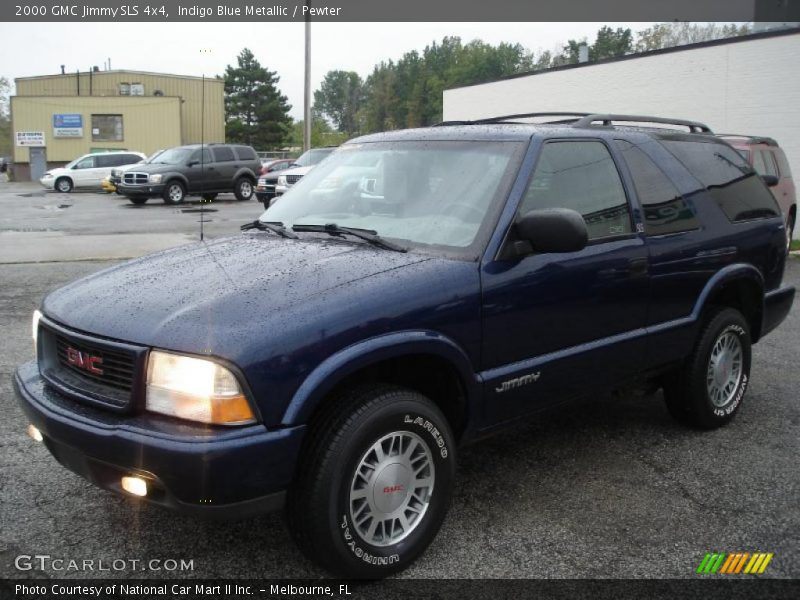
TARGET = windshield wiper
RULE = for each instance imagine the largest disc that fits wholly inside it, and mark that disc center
(274, 227)
(367, 235)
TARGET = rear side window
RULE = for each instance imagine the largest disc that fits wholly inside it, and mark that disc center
(246, 153)
(731, 182)
(665, 210)
(129, 159)
(769, 163)
(107, 160)
(223, 154)
(582, 176)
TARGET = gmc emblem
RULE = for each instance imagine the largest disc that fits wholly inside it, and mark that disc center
(84, 361)
(391, 489)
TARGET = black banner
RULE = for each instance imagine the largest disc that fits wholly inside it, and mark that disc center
(707, 588)
(394, 11)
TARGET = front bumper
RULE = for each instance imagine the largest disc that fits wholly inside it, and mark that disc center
(209, 471)
(153, 190)
(48, 182)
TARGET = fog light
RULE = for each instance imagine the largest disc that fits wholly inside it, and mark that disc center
(134, 485)
(35, 433)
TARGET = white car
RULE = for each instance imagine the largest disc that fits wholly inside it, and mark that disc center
(301, 166)
(88, 170)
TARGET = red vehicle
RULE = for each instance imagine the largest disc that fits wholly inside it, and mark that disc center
(769, 161)
(270, 166)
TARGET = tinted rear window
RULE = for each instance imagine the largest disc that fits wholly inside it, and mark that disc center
(246, 153)
(223, 154)
(731, 182)
(665, 209)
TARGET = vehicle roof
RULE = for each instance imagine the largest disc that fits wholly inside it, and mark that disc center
(508, 132)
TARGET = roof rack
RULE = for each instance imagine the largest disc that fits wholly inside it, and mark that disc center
(607, 121)
(507, 118)
(754, 139)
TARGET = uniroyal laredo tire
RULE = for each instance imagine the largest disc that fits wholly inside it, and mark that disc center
(328, 500)
(707, 392)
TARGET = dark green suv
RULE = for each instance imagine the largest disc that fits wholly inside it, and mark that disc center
(199, 170)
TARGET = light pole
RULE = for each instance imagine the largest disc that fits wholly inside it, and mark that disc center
(307, 91)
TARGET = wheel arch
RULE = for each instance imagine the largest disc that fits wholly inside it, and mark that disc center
(740, 286)
(425, 361)
(245, 172)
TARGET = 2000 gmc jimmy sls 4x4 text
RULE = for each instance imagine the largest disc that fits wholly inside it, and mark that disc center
(334, 356)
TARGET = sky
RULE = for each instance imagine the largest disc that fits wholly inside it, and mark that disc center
(175, 47)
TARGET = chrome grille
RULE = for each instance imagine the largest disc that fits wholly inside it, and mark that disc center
(292, 179)
(135, 178)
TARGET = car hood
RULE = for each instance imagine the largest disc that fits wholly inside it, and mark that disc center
(298, 170)
(203, 297)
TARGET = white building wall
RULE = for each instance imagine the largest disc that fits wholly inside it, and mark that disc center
(750, 87)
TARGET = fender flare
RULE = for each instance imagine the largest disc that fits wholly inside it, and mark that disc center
(245, 172)
(180, 177)
(731, 273)
(371, 351)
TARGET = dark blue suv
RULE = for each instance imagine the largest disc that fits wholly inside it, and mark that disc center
(426, 288)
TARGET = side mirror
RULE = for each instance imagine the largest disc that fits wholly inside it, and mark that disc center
(770, 180)
(192, 163)
(553, 230)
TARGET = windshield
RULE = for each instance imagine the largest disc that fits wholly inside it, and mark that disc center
(173, 156)
(312, 157)
(436, 194)
(152, 157)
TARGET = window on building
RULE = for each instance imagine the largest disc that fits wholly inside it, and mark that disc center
(107, 128)
(581, 176)
(124, 89)
(732, 183)
(665, 210)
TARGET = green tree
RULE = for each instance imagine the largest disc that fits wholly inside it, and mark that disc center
(340, 99)
(5, 120)
(256, 113)
(611, 43)
(669, 35)
(322, 134)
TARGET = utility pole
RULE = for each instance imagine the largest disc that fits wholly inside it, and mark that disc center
(307, 91)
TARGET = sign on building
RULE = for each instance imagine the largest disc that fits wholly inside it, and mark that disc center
(67, 125)
(29, 138)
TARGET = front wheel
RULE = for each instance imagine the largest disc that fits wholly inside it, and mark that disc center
(64, 185)
(708, 390)
(243, 189)
(174, 193)
(375, 482)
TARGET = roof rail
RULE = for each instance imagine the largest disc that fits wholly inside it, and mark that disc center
(606, 120)
(506, 118)
(754, 139)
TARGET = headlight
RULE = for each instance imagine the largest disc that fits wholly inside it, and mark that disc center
(155, 178)
(195, 389)
(282, 180)
(35, 329)
(47, 176)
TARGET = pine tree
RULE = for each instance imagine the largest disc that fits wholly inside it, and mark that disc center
(256, 113)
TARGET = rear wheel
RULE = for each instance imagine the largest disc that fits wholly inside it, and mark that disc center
(64, 185)
(174, 192)
(375, 483)
(243, 189)
(707, 391)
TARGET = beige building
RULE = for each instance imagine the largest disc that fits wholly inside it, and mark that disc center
(57, 118)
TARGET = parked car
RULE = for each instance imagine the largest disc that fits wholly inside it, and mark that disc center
(302, 166)
(769, 161)
(193, 170)
(273, 165)
(482, 273)
(88, 170)
(265, 188)
(110, 183)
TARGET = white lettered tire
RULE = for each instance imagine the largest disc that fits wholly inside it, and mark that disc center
(374, 482)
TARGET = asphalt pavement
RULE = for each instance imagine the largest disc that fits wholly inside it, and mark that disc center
(612, 488)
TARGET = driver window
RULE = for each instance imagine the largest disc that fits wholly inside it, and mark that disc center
(205, 158)
(580, 175)
(86, 163)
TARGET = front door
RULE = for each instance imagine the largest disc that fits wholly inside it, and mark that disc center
(38, 162)
(559, 325)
